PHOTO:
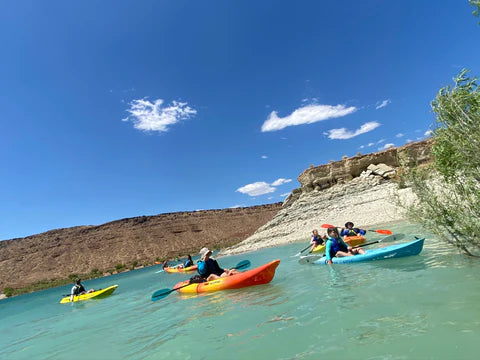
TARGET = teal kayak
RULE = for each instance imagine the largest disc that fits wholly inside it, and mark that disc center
(388, 252)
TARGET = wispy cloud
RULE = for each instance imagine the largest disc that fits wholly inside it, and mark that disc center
(386, 146)
(264, 157)
(281, 181)
(428, 133)
(344, 134)
(262, 187)
(382, 104)
(306, 115)
(257, 188)
(152, 116)
(399, 135)
(284, 194)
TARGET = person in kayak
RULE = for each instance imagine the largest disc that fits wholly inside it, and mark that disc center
(78, 289)
(335, 246)
(209, 269)
(317, 239)
(350, 230)
(187, 263)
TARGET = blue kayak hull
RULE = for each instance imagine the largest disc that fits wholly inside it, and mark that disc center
(388, 252)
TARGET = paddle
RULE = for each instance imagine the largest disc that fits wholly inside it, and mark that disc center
(380, 231)
(301, 251)
(160, 294)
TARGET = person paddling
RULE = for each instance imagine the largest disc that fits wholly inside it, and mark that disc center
(349, 230)
(78, 289)
(209, 269)
(317, 239)
(187, 263)
(335, 246)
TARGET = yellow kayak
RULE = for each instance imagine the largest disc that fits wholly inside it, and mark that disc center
(96, 294)
(350, 240)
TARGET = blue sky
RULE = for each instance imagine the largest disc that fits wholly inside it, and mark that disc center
(114, 109)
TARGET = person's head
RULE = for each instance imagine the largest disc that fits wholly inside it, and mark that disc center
(333, 232)
(315, 232)
(189, 257)
(205, 253)
(78, 281)
(349, 225)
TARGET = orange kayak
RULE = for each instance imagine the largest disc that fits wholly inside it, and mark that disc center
(349, 240)
(180, 270)
(258, 276)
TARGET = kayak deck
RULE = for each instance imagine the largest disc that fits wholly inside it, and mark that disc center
(258, 276)
(180, 270)
(393, 251)
(96, 294)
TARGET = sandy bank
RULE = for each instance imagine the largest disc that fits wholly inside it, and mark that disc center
(364, 201)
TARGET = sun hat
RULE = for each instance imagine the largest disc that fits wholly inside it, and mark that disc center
(204, 252)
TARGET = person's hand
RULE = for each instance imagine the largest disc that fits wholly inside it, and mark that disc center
(329, 262)
(349, 248)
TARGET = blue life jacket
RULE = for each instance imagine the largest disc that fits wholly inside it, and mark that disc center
(187, 263)
(336, 247)
(206, 268)
(317, 239)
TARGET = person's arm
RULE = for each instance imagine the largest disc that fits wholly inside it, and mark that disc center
(361, 231)
(218, 267)
(343, 232)
(328, 248)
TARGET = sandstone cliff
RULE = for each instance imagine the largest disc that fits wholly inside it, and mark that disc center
(56, 254)
(352, 189)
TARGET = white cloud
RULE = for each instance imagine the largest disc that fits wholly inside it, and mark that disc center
(281, 181)
(380, 141)
(257, 188)
(343, 133)
(408, 141)
(261, 187)
(428, 133)
(284, 194)
(264, 157)
(386, 146)
(382, 104)
(148, 116)
(399, 135)
(306, 115)
(370, 144)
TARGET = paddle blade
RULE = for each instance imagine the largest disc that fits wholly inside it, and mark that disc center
(384, 232)
(326, 226)
(242, 265)
(160, 294)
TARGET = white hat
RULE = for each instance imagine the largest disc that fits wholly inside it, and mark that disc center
(204, 252)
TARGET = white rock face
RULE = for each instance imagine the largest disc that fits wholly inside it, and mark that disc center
(366, 201)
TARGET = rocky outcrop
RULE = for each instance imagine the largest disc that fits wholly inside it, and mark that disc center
(56, 254)
(324, 176)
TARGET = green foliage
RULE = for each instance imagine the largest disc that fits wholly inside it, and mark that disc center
(476, 4)
(119, 267)
(448, 191)
(8, 291)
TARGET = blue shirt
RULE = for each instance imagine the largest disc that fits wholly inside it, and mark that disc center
(333, 245)
(352, 232)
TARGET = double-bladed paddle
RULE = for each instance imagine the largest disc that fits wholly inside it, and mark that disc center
(160, 294)
(380, 231)
(301, 251)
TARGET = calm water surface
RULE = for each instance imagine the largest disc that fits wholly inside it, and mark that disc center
(422, 307)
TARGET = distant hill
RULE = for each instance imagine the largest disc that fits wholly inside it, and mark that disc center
(137, 241)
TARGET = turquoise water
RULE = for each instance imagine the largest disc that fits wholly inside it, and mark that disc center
(422, 307)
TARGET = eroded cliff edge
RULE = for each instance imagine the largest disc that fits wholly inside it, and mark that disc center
(353, 189)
